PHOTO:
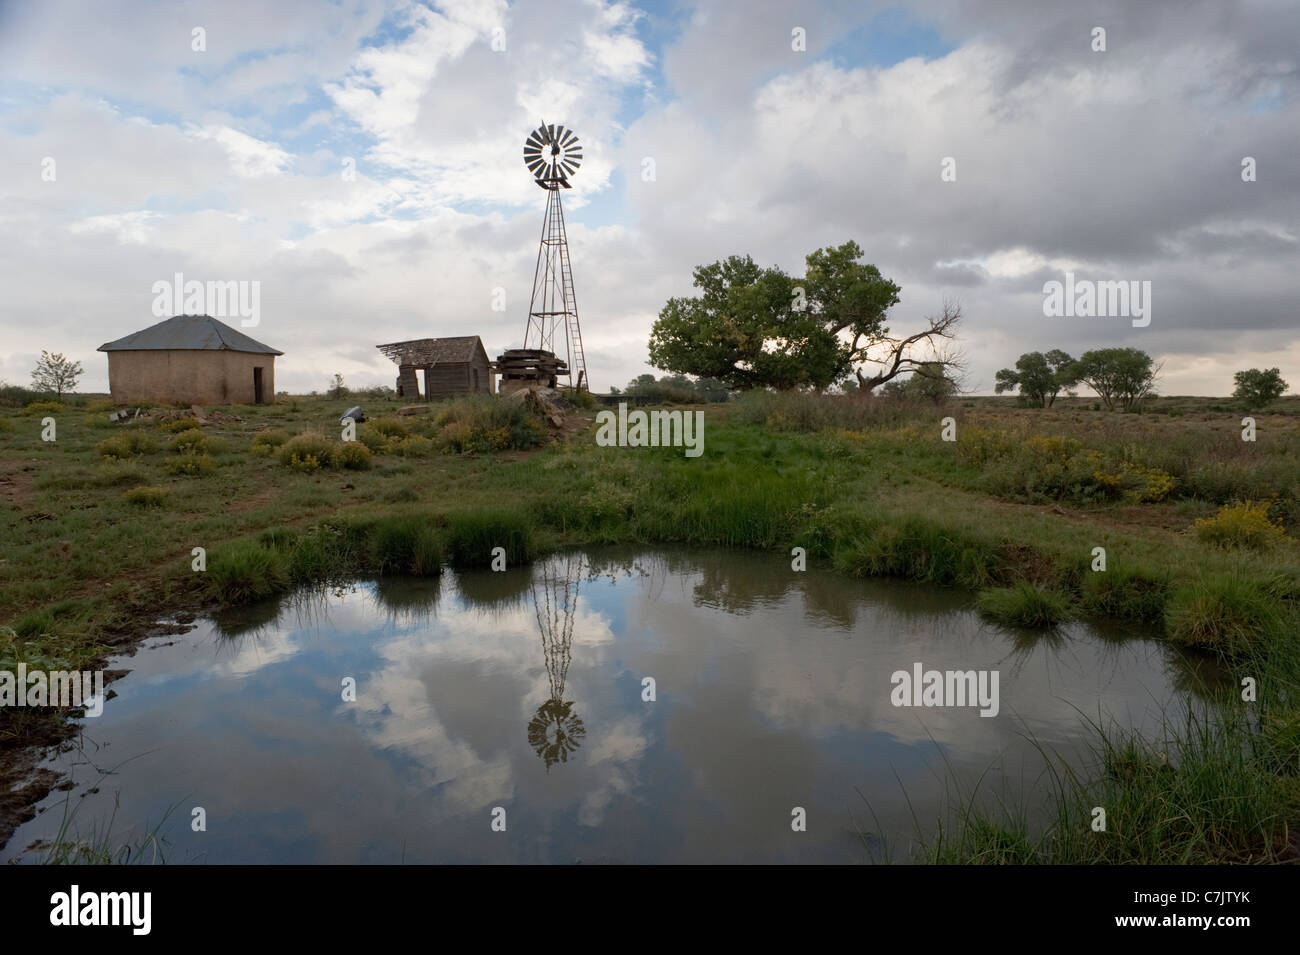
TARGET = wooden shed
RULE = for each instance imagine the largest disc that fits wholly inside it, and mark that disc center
(450, 367)
(191, 359)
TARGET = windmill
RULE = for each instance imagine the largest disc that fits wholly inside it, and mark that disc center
(553, 154)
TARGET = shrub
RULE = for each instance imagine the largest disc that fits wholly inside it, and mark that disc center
(180, 424)
(146, 496)
(1134, 482)
(16, 396)
(189, 442)
(402, 495)
(1244, 524)
(373, 440)
(44, 407)
(100, 406)
(488, 423)
(390, 427)
(307, 452)
(190, 464)
(115, 473)
(354, 456)
(457, 436)
(412, 446)
(266, 442)
(304, 461)
(1023, 605)
(126, 445)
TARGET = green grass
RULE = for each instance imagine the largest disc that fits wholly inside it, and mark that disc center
(869, 487)
(473, 536)
(1233, 614)
(1195, 796)
(246, 571)
(1023, 605)
(399, 545)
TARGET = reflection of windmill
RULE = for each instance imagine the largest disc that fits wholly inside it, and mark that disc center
(555, 730)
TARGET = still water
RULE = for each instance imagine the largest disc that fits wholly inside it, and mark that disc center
(521, 700)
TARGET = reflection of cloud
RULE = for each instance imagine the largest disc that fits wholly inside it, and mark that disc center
(774, 706)
(614, 754)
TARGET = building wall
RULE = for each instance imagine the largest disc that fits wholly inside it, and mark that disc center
(192, 376)
(449, 379)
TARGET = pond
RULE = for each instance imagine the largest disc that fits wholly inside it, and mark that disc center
(595, 707)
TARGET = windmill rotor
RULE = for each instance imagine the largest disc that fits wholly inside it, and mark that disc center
(552, 154)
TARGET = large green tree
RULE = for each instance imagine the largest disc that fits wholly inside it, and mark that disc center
(1040, 377)
(1258, 387)
(755, 327)
(851, 299)
(743, 328)
(1120, 376)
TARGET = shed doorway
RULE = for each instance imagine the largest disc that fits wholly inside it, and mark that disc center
(257, 386)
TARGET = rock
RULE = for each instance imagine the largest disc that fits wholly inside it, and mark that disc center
(547, 402)
(413, 409)
(356, 414)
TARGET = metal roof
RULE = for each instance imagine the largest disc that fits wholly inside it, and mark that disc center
(189, 333)
(429, 351)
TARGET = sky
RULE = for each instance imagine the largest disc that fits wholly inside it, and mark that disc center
(362, 162)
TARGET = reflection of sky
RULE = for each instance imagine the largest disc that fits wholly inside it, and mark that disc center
(764, 703)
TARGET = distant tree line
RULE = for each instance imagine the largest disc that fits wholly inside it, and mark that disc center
(1121, 377)
(676, 388)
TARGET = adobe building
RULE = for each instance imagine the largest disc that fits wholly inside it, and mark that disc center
(450, 366)
(191, 359)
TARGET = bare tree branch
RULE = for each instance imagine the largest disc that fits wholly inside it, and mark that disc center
(940, 333)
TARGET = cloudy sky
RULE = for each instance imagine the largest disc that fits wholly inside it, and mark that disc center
(231, 163)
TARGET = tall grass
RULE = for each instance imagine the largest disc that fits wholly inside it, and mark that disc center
(919, 549)
(472, 536)
(808, 412)
(402, 546)
(1023, 605)
(1194, 795)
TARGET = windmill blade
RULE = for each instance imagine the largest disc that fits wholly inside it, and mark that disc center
(569, 168)
(576, 154)
(559, 135)
(569, 137)
(535, 140)
(537, 168)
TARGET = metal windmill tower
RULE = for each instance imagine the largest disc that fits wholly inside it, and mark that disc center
(553, 154)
